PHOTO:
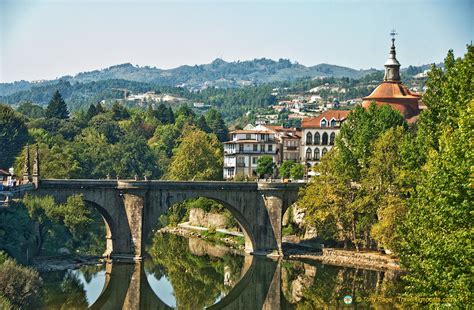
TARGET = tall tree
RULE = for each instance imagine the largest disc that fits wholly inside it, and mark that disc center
(13, 135)
(57, 107)
(217, 125)
(198, 157)
(437, 233)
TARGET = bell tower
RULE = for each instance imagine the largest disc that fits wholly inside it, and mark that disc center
(392, 66)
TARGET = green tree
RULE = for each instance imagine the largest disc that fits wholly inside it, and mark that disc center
(30, 110)
(386, 185)
(13, 135)
(217, 125)
(437, 233)
(265, 165)
(362, 128)
(297, 171)
(202, 124)
(285, 169)
(57, 107)
(19, 286)
(73, 215)
(198, 157)
(91, 112)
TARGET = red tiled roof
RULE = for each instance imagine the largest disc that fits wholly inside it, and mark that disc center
(315, 122)
(397, 96)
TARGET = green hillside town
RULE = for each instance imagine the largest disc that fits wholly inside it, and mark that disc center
(199, 169)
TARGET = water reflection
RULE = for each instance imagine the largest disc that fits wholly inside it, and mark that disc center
(193, 274)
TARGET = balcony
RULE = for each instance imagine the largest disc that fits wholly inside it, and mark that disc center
(240, 164)
(291, 148)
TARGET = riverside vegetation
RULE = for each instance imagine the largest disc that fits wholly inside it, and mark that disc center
(385, 185)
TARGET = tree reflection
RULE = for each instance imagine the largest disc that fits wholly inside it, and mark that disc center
(308, 286)
(198, 281)
(69, 294)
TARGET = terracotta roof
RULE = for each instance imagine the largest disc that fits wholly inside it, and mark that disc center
(396, 95)
(315, 122)
(388, 90)
(280, 128)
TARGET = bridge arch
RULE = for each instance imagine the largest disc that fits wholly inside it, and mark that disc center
(110, 227)
(250, 242)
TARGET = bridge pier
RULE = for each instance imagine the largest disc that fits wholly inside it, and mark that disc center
(134, 206)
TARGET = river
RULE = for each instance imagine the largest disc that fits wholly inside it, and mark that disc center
(190, 273)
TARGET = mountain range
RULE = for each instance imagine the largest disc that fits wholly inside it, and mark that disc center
(218, 73)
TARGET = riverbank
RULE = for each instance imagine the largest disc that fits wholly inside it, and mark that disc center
(230, 239)
(347, 258)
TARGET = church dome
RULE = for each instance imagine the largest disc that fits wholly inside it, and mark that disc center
(392, 92)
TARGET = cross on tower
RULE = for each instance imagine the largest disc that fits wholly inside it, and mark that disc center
(393, 34)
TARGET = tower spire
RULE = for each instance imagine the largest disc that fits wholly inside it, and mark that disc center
(392, 66)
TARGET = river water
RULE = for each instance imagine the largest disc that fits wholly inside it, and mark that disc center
(194, 274)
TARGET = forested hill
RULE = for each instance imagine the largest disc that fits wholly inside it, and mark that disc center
(219, 73)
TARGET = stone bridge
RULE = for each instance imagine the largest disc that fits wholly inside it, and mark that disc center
(131, 209)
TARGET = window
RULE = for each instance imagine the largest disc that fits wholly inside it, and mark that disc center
(331, 138)
(309, 138)
(317, 138)
(262, 148)
(324, 122)
(316, 154)
(308, 153)
(270, 148)
(241, 147)
(333, 122)
(324, 152)
(325, 138)
(255, 147)
(254, 160)
(263, 137)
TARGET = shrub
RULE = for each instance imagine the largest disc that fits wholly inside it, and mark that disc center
(19, 286)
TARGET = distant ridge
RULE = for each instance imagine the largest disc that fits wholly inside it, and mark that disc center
(218, 73)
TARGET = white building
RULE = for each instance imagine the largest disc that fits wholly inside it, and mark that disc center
(245, 147)
(318, 135)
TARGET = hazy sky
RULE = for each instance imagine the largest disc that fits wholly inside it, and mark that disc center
(45, 39)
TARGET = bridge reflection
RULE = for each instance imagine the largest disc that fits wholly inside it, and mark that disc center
(126, 287)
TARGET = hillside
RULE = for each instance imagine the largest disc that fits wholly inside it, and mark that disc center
(218, 73)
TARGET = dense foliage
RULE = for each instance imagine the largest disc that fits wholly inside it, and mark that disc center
(407, 190)
(19, 286)
(117, 141)
(436, 237)
(13, 135)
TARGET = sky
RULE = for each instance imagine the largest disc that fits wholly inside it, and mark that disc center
(46, 39)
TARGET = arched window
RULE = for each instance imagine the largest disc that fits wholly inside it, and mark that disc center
(333, 122)
(316, 154)
(308, 153)
(317, 138)
(331, 138)
(309, 138)
(325, 138)
(324, 152)
(324, 122)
